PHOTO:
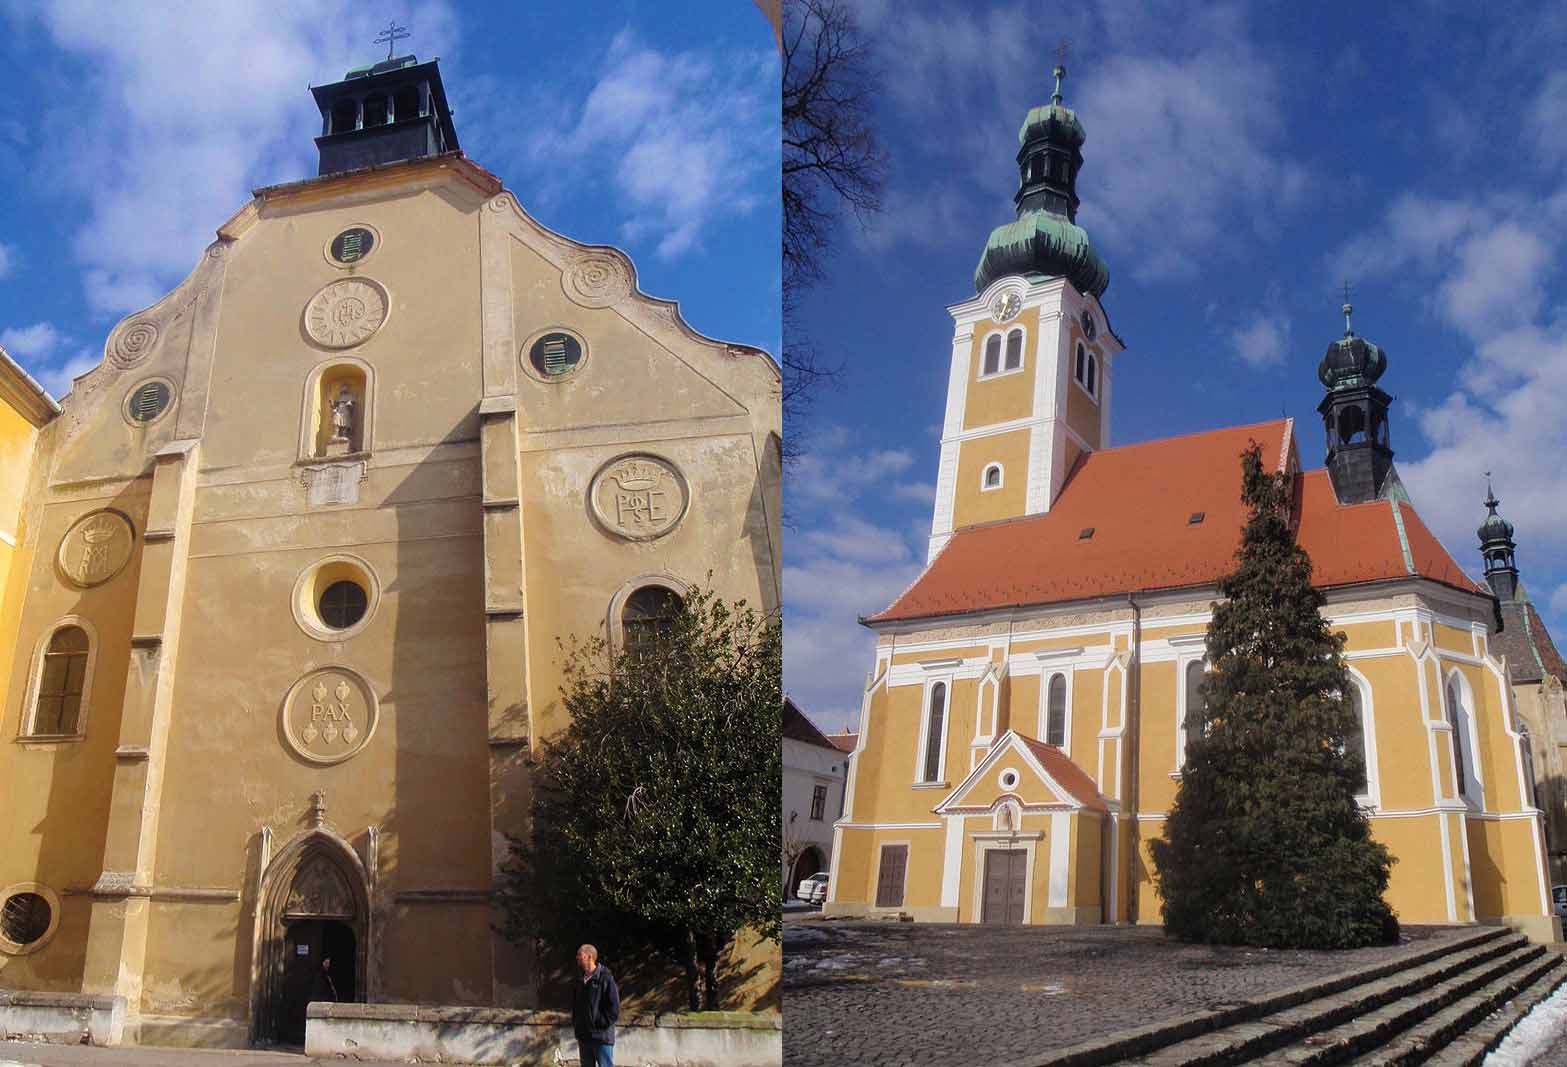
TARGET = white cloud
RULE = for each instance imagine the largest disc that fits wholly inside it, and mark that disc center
(8, 260)
(158, 161)
(694, 134)
(35, 343)
(1559, 600)
(1264, 340)
(831, 470)
(58, 379)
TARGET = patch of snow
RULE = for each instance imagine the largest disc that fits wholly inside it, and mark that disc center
(1534, 1034)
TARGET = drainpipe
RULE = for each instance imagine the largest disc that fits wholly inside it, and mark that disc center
(1134, 687)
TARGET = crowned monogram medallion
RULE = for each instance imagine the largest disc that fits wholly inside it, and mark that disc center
(639, 496)
(96, 547)
(329, 715)
(346, 313)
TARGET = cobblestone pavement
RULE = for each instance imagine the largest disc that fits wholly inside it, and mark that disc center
(886, 994)
(22, 1054)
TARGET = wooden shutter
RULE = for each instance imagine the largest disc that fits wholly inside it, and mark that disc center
(889, 879)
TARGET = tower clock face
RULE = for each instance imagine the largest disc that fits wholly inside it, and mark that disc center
(1005, 306)
(1089, 328)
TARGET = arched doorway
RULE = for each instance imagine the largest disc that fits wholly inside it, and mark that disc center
(809, 862)
(314, 906)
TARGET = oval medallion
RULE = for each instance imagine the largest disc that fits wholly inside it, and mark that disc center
(329, 715)
(639, 496)
(96, 547)
(346, 313)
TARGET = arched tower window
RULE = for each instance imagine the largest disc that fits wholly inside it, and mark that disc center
(991, 479)
(1456, 718)
(992, 354)
(1093, 368)
(62, 684)
(648, 617)
(1055, 711)
(1081, 370)
(1014, 350)
(935, 725)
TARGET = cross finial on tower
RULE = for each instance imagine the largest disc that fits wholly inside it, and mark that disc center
(1349, 330)
(391, 35)
(1060, 70)
(1490, 494)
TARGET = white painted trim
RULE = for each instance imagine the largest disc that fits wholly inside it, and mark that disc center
(921, 753)
(1068, 677)
(1372, 798)
(992, 681)
(1060, 857)
(984, 477)
(832, 864)
(1002, 370)
(1183, 664)
(888, 826)
(1447, 869)
(1475, 794)
(952, 862)
(35, 669)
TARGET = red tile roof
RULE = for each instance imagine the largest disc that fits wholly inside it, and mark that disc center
(1067, 775)
(1139, 501)
(843, 742)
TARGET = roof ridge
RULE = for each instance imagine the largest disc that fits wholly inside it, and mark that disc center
(1184, 436)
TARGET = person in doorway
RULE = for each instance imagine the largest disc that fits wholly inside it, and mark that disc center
(595, 1009)
(323, 988)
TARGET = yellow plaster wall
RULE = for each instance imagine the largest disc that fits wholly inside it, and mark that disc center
(1082, 410)
(854, 859)
(1156, 736)
(973, 504)
(1495, 850)
(1403, 740)
(17, 438)
(1010, 395)
(191, 962)
(1452, 639)
(1415, 887)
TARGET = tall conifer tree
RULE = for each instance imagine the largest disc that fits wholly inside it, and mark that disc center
(1266, 844)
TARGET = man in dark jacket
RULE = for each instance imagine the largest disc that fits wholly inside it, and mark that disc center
(595, 1008)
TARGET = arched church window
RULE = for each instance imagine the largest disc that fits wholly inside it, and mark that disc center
(1092, 368)
(62, 681)
(1014, 350)
(1456, 716)
(1351, 425)
(1055, 711)
(992, 478)
(934, 728)
(648, 617)
(1194, 722)
(1082, 363)
(1355, 740)
(992, 354)
(375, 110)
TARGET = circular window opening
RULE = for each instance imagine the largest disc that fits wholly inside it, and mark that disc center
(25, 918)
(148, 400)
(343, 604)
(352, 245)
(1008, 779)
(555, 354)
(1090, 328)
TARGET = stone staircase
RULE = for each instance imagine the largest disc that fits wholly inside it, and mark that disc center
(1447, 1005)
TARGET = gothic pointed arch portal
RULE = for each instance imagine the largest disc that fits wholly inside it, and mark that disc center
(314, 900)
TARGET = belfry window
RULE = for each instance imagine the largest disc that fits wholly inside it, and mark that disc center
(375, 111)
(648, 618)
(345, 115)
(1036, 167)
(62, 682)
(992, 355)
(405, 103)
(1081, 370)
(1014, 350)
(934, 733)
(992, 477)
(1055, 711)
(1092, 368)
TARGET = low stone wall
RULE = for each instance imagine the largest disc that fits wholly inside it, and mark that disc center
(500, 1036)
(62, 1018)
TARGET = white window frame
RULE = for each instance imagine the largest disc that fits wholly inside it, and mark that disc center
(1372, 798)
(1474, 794)
(984, 477)
(35, 673)
(1001, 358)
(1182, 665)
(1090, 358)
(1022, 349)
(1045, 676)
(920, 753)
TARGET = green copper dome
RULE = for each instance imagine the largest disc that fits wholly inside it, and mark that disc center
(1051, 121)
(1041, 242)
(1495, 531)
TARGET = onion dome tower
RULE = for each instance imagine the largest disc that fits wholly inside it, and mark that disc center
(1355, 415)
(1046, 239)
(1496, 545)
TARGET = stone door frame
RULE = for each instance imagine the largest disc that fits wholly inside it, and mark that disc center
(267, 958)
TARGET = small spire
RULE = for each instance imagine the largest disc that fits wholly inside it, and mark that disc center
(1490, 495)
(1060, 71)
(1349, 329)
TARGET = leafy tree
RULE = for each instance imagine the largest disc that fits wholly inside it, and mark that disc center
(1266, 844)
(656, 812)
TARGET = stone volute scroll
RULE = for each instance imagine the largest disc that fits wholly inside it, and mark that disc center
(597, 279)
(329, 715)
(638, 496)
(96, 547)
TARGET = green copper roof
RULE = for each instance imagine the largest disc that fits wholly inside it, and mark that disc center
(1039, 119)
(1042, 243)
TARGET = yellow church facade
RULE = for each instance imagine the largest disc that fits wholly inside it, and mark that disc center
(287, 573)
(1023, 723)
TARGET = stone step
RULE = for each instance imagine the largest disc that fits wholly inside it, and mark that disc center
(1470, 1047)
(1471, 994)
(1246, 1041)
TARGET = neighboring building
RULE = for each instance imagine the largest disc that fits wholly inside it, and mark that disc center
(814, 773)
(844, 741)
(291, 568)
(1538, 674)
(1021, 737)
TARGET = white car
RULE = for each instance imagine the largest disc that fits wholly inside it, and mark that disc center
(814, 889)
(1559, 901)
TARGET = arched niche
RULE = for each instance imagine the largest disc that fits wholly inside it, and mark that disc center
(321, 433)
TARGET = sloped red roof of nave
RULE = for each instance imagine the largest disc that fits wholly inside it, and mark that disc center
(1067, 775)
(1139, 501)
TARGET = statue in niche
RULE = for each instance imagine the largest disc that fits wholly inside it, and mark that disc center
(342, 438)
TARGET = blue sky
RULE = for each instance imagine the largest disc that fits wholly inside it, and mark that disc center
(133, 130)
(1241, 161)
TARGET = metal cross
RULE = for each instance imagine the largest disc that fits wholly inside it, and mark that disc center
(1061, 52)
(391, 35)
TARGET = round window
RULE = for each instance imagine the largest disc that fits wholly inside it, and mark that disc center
(25, 918)
(555, 355)
(342, 604)
(352, 245)
(148, 401)
(1089, 327)
(1008, 778)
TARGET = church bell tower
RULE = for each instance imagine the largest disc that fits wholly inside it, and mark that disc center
(392, 111)
(1028, 392)
(1355, 417)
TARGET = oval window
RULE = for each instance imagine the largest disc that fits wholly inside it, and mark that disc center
(343, 603)
(555, 354)
(147, 401)
(353, 244)
(25, 918)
